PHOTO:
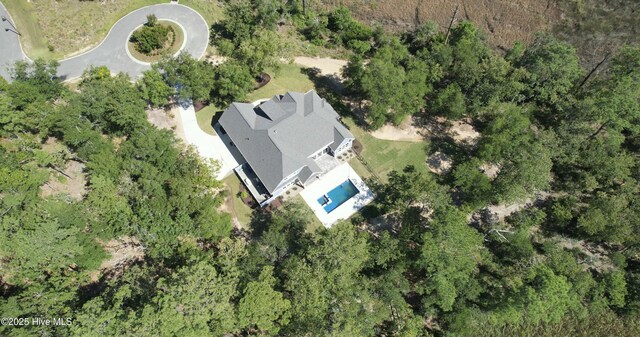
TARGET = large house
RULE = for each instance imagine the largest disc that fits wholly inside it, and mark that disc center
(289, 139)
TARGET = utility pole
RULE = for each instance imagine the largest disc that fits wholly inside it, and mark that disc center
(453, 17)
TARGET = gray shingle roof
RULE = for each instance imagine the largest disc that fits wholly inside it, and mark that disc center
(277, 136)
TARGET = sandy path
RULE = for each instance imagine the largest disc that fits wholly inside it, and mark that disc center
(408, 133)
(327, 66)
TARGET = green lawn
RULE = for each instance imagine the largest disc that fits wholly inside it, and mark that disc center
(385, 156)
(289, 77)
(71, 26)
(205, 116)
(240, 209)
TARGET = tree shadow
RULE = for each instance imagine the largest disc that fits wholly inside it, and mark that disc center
(330, 87)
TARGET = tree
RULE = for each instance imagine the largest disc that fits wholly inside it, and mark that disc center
(113, 103)
(608, 217)
(153, 88)
(262, 50)
(34, 81)
(380, 82)
(411, 188)
(196, 301)
(450, 102)
(263, 308)
(152, 20)
(191, 79)
(544, 297)
(474, 183)
(451, 253)
(233, 83)
(239, 24)
(553, 70)
(327, 289)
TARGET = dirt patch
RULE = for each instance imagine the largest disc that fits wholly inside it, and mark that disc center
(124, 251)
(227, 207)
(490, 170)
(439, 163)
(214, 60)
(263, 80)
(595, 256)
(161, 118)
(72, 182)
(503, 211)
(463, 133)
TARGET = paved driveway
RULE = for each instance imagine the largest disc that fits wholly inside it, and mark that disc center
(208, 146)
(112, 51)
(10, 50)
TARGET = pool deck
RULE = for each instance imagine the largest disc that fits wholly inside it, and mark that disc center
(329, 181)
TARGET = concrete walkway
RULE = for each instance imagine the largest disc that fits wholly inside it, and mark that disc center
(112, 51)
(208, 146)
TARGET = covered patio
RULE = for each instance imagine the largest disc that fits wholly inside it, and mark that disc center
(252, 183)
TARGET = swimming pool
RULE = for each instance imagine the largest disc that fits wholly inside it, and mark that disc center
(338, 196)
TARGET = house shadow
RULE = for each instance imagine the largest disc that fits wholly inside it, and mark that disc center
(216, 118)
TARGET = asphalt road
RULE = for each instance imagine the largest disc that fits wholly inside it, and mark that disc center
(112, 51)
(10, 50)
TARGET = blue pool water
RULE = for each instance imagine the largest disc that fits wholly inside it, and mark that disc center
(338, 196)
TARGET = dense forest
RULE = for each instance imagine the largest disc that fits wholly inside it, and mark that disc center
(567, 265)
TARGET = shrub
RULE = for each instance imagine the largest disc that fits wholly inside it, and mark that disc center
(150, 37)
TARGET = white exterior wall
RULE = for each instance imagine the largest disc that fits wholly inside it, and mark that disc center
(345, 145)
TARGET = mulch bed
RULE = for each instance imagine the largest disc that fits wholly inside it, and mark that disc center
(357, 147)
(199, 105)
(263, 80)
(274, 205)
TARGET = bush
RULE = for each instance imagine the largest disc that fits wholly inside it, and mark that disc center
(347, 28)
(150, 37)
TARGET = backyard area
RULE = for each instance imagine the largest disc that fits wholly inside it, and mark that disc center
(239, 210)
(56, 29)
(288, 77)
(385, 156)
(382, 156)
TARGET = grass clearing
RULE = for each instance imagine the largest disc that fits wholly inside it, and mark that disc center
(240, 210)
(205, 116)
(289, 77)
(71, 27)
(385, 156)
